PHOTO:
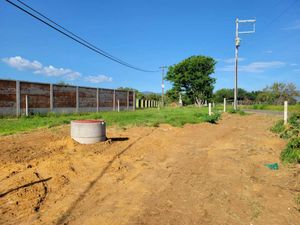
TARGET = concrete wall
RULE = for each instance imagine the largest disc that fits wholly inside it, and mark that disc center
(8, 97)
(44, 98)
(106, 99)
(141, 103)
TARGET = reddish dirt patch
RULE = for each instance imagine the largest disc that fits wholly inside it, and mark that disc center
(198, 174)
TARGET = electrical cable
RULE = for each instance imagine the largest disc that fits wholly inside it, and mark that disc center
(75, 37)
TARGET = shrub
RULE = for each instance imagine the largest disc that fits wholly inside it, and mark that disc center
(238, 111)
(212, 118)
(278, 127)
(291, 154)
(289, 132)
(294, 120)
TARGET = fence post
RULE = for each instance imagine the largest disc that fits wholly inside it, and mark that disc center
(18, 99)
(137, 103)
(77, 99)
(26, 105)
(209, 109)
(133, 101)
(118, 105)
(285, 116)
(213, 104)
(97, 99)
(51, 97)
(224, 104)
(127, 100)
(114, 100)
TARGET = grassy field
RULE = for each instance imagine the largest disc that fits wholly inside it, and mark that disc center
(291, 108)
(145, 117)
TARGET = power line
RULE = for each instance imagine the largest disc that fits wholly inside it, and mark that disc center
(74, 37)
(273, 20)
(47, 18)
(281, 14)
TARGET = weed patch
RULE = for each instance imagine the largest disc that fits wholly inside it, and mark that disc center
(290, 132)
(278, 127)
(212, 118)
(238, 111)
(291, 154)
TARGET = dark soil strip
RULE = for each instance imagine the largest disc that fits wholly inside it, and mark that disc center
(24, 186)
(42, 198)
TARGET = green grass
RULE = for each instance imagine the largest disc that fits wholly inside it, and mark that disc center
(291, 154)
(278, 127)
(290, 132)
(238, 111)
(146, 117)
(291, 108)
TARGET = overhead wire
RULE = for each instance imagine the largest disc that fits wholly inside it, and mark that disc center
(73, 36)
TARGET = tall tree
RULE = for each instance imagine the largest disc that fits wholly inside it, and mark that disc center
(278, 93)
(227, 93)
(192, 76)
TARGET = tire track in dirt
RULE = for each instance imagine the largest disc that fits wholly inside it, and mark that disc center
(221, 189)
(198, 174)
(65, 216)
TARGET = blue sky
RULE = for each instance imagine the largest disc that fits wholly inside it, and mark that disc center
(149, 34)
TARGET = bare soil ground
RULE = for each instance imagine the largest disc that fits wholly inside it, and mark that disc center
(198, 174)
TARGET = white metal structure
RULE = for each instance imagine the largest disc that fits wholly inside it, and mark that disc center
(237, 44)
(162, 83)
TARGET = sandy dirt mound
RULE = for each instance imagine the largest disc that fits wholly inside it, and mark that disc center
(198, 174)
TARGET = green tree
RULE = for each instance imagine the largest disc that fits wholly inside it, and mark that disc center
(223, 93)
(192, 77)
(62, 83)
(277, 93)
(229, 95)
(172, 95)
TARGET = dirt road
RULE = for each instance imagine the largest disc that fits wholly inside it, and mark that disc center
(198, 174)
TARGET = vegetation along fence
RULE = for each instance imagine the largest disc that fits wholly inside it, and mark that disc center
(17, 96)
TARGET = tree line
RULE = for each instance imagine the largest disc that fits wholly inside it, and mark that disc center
(275, 94)
(192, 80)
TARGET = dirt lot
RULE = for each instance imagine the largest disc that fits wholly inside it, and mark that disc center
(198, 174)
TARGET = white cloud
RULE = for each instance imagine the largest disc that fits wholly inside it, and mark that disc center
(36, 67)
(255, 67)
(296, 70)
(73, 75)
(51, 71)
(293, 64)
(98, 79)
(22, 64)
(295, 26)
(232, 60)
